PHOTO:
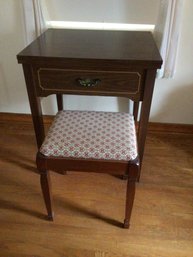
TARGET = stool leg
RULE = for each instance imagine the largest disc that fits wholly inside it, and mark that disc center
(129, 202)
(132, 177)
(47, 194)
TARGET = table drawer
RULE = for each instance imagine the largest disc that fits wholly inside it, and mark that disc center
(114, 83)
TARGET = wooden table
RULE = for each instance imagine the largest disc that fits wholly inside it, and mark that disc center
(83, 62)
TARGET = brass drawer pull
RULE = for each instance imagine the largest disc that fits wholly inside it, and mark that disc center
(88, 82)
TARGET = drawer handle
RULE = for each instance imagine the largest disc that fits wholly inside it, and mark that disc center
(88, 82)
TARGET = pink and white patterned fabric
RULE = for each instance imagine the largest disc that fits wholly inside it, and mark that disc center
(91, 135)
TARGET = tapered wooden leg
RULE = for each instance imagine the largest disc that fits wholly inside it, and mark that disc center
(129, 202)
(132, 178)
(47, 194)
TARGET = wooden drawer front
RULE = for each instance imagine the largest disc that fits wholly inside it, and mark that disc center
(75, 82)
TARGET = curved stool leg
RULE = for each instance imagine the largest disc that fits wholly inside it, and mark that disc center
(47, 194)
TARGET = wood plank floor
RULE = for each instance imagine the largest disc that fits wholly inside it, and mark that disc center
(89, 208)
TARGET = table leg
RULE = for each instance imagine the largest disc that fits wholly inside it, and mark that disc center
(47, 193)
(135, 110)
(35, 105)
(145, 110)
(130, 194)
(59, 98)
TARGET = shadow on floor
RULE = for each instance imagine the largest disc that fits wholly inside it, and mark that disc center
(4, 204)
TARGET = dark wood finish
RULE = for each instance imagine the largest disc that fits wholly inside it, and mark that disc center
(35, 105)
(145, 110)
(124, 64)
(129, 170)
(59, 98)
(87, 46)
(90, 165)
(47, 193)
(111, 83)
(135, 110)
(130, 193)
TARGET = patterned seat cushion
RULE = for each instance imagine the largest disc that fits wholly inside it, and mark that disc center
(91, 135)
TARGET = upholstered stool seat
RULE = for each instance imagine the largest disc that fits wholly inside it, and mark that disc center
(91, 135)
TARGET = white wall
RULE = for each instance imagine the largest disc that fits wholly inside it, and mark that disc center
(173, 98)
(120, 11)
(13, 97)
(172, 101)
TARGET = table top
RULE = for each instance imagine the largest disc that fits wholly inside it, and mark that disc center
(129, 46)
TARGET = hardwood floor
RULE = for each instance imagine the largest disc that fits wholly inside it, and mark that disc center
(88, 216)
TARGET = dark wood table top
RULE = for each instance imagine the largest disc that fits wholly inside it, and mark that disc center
(124, 46)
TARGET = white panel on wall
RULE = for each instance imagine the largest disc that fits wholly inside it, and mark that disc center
(118, 11)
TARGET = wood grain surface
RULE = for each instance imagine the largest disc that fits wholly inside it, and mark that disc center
(88, 205)
(125, 46)
(111, 83)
